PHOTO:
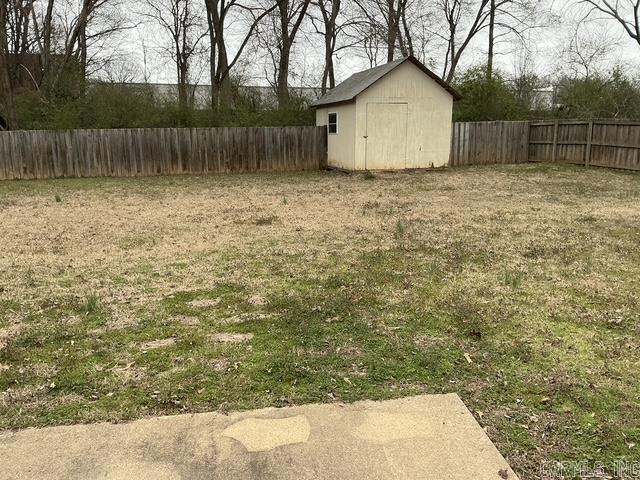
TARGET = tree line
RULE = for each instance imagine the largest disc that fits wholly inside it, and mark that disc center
(50, 49)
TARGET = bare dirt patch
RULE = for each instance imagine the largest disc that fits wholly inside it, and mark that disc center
(7, 333)
(129, 374)
(349, 351)
(120, 318)
(230, 337)
(154, 344)
(186, 320)
(245, 317)
(207, 303)
(22, 395)
(219, 364)
(257, 300)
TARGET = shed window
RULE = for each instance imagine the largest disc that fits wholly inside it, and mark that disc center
(333, 123)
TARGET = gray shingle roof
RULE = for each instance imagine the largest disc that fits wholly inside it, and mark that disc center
(348, 90)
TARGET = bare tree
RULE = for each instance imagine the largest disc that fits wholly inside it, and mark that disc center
(23, 40)
(586, 52)
(463, 20)
(492, 37)
(332, 22)
(184, 24)
(369, 39)
(394, 27)
(76, 33)
(508, 19)
(329, 10)
(219, 14)
(30, 29)
(625, 12)
(45, 37)
(77, 40)
(71, 31)
(18, 20)
(385, 19)
(278, 38)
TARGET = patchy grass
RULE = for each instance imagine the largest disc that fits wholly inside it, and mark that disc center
(516, 287)
(269, 220)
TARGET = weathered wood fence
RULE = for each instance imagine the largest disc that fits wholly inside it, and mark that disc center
(169, 151)
(159, 151)
(604, 143)
(484, 143)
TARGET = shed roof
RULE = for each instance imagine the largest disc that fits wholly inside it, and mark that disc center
(353, 86)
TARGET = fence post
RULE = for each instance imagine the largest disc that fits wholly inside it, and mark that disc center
(453, 143)
(554, 150)
(587, 153)
(527, 145)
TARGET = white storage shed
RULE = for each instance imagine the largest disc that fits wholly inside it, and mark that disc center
(392, 117)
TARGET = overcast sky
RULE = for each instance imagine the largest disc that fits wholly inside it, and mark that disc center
(543, 53)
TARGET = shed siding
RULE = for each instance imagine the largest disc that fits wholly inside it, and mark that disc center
(341, 147)
(429, 120)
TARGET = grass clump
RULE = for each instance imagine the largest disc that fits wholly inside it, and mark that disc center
(513, 279)
(91, 304)
(400, 232)
(269, 220)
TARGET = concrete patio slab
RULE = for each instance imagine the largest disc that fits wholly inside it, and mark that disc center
(427, 437)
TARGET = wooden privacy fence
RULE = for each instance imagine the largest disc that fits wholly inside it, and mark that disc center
(483, 143)
(604, 143)
(599, 143)
(159, 151)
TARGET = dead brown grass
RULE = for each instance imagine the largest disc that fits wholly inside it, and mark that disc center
(58, 247)
(535, 268)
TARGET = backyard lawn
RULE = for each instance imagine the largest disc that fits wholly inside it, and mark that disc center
(517, 287)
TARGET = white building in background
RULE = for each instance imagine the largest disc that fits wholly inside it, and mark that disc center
(544, 98)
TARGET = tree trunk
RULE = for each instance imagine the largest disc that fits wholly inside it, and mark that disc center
(290, 21)
(47, 30)
(492, 26)
(24, 30)
(215, 91)
(392, 29)
(74, 37)
(282, 79)
(223, 80)
(408, 41)
(211, 7)
(220, 68)
(328, 75)
(6, 87)
(183, 76)
(283, 76)
(330, 37)
(82, 47)
(453, 64)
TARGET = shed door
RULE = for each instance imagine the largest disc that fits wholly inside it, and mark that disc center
(386, 136)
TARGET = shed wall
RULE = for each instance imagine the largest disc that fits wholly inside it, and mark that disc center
(429, 110)
(341, 146)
